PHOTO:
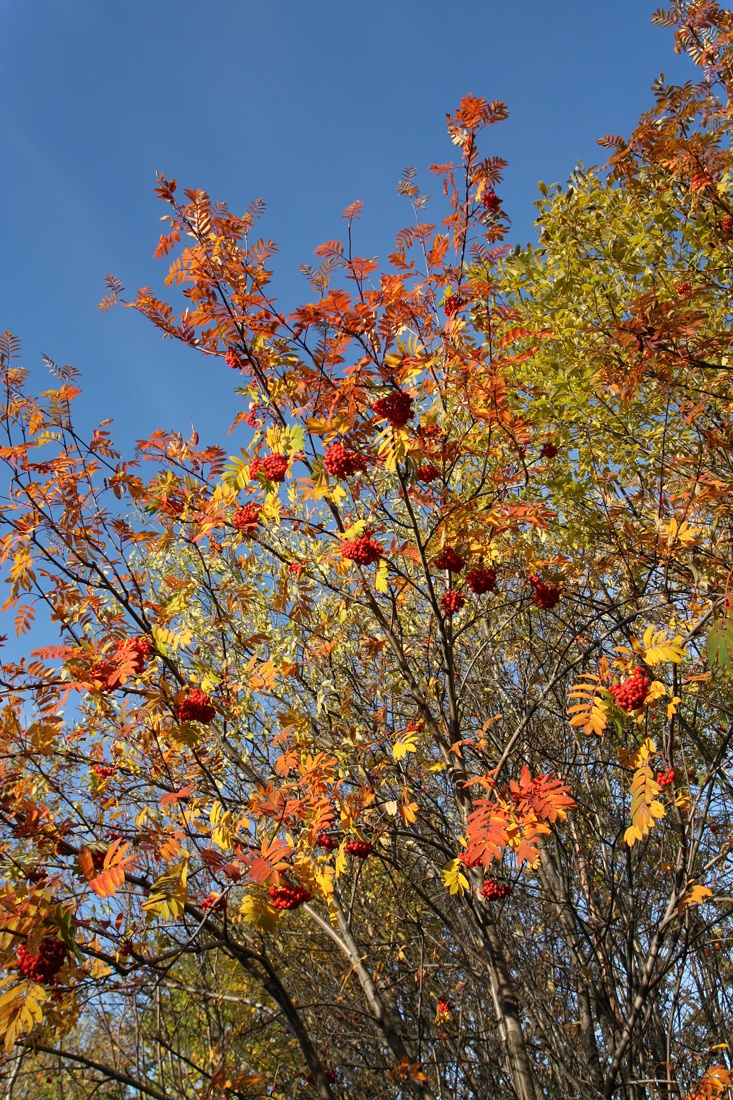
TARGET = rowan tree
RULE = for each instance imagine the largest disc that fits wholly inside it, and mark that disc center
(391, 756)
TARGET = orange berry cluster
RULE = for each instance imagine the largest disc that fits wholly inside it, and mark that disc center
(233, 360)
(481, 581)
(342, 462)
(666, 778)
(630, 695)
(197, 707)
(44, 966)
(247, 518)
(363, 550)
(359, 848)
(397, 408)
(495, 891)
(449, 559)
(274, 467)
(104, 771)
(288, 897)
(545, 596)
(491, 201)
(214, 904)
(452, 602)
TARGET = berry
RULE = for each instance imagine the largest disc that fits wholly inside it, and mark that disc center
(359, 848)
(450, 560)
(452, 304)
(397, 408)
(481, 581)
(428, 473)
(468, 861)
(44, 966)
(215, 903)
(342, 462)
(104, 771)
(328, 842)
(329, 1074)
(363, 550)
(700, 181)
(495, 891)
(274, 467)
(727, 224)
(452, 602)
(666, 778)
(630, 695)
(288, 897)
(296, 569)
(491, 201)
(548, 450)
(196, 707)
(445, 1007)
(682, 288)
(233, 360)
(247, 519)
(545, 596)
(253, 417)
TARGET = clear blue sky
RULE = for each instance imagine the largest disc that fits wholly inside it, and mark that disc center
(309, 105)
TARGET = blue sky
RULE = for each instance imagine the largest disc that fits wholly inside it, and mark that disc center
(310, 106)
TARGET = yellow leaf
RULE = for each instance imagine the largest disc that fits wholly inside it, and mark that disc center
(453, 877)
(657, 650)
(381, 582)
(694, 895)
(259, 912)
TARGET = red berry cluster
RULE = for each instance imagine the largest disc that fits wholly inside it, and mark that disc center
(359, 848)
(700, 181)
(452, 304)
(727, 224)
(630, 695)
(342, 462)
(428, 473)
(491, 201)
(274, 467)
(233, 360)
(215, 903)
(666, 778)
(444, 1006)
(452, 602)
(247, 519)
(253, 418)
(682, 288)
(104, 771)
(363, 550)
(495, 891)
(397, 408)
(468, 861)
(296, 569)
(548, 450)
(329, 1074)
(328, 842)
(545, 596)
(288, 897)
(449, 559)
(481, 580)
(44, 966)
(197, 707)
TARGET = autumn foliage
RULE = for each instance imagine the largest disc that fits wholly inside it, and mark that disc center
(391, 754)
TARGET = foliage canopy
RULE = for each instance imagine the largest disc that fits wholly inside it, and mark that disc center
(391, 755)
